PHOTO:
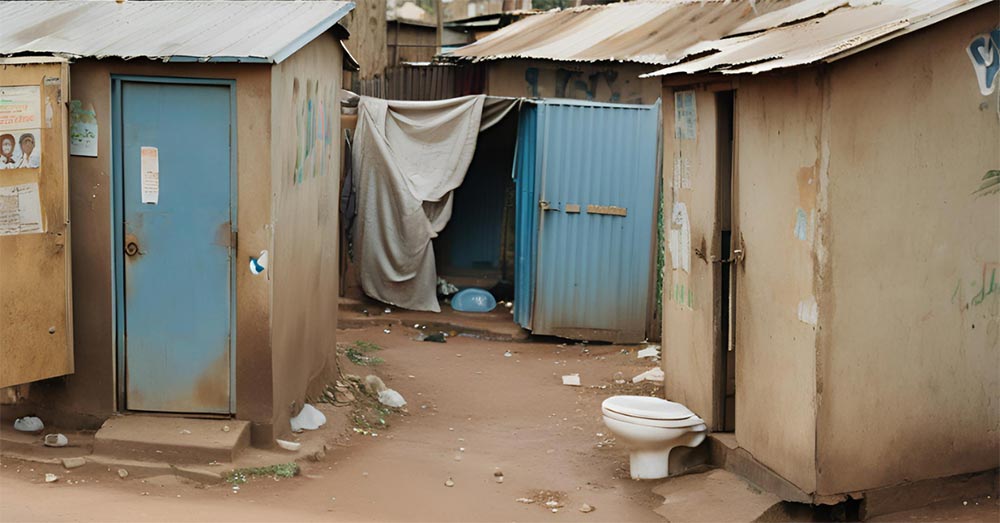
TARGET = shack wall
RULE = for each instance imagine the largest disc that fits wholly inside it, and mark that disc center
(913, 310)
(367, 26)
(304, 162)
(88, 396)
(617, 83)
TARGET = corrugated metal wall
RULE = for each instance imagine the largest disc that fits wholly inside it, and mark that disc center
(592, 275)
(425, 82)
(526, 223)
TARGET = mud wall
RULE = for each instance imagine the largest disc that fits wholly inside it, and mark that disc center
(619, 83)
(910, 362)
(88, 396)
(305, 162)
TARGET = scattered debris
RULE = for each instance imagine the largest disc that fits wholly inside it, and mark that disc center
(653, 351)
(55, 440)
(387, 331)
(654, 374)
(225, 428)
(445, 288)
(374, 384)
(359, 353)
(309, 418)
(526, 501)
(439, 337)
(449, 483)
(553, 504)
(51, 478)
(619, 378)
(289, 445)
(29, 424)
(571, 379)
(185, 431)
(319, 455)
(508, 354)
(122, 473)
(391, 398)
(585, 508)
(388, 310)
(73, 463)
(240, 476)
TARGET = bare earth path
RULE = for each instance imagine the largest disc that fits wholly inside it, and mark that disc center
(472, 410)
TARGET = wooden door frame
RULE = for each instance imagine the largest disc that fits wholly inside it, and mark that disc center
(118, 220)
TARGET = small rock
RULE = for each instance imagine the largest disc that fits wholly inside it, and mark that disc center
(498, 473)
(225, 428)
(585, 508)
(122, 473)
(72, 463)
(508, 354)
(51, 478)
(555, 510)
(449, 483)
(553, 504)
(499, 479)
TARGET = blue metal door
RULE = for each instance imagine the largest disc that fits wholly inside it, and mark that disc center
(176, 252)
(597, 169)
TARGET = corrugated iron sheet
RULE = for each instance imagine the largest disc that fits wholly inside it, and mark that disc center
(244, 31)
(710, 35)
(643, 31)
(819, 38)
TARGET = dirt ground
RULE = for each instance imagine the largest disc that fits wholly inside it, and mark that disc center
(472, 410)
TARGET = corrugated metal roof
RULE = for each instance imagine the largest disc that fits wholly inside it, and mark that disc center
(222, 30)
(836, 33)
(711, 35)
(649, 32)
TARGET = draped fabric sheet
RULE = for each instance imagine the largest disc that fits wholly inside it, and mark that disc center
(408, 158)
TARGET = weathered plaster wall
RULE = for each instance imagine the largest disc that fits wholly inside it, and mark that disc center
(911, 362)
(595, 82)
(88, 396)
(777, 187)
(689, 182)
(367, 25)
(305, 162)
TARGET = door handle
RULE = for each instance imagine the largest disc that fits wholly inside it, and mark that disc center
(131, 249)
(545, 206)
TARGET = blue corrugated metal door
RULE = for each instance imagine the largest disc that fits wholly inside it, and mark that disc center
(597, 170)
(526, 221)
(176, 251)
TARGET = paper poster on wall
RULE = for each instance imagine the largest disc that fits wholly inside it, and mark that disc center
(21, 149)
(82, 129)
(150, 167)
(685, 116)
(20, 108)
(20, 210)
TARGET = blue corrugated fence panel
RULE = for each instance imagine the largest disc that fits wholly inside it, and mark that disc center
(527, 215)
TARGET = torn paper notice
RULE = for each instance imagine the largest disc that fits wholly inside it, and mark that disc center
(685, 116)
(150, 167)
(681, 247)
(82, 129)
(20, 108)
(20, 210)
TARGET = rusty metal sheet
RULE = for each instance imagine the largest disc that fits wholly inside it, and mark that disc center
(650, 32)
(197, 30)
(819, 38)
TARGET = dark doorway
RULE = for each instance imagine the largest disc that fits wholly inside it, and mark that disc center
(726, 356)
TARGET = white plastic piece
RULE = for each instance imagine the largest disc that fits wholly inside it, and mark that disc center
(29, 424)
(309, 418)
(55, 440)
(391, 398)
(571, 379)
(654, 374)
(289, 445)
(649, 352)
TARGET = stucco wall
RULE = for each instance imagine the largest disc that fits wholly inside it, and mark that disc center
(89, 395)
(777, 179)
(595, 82)
(305, 162)
(367, 25)
(911, 366)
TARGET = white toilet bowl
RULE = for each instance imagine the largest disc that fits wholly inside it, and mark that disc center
(650, 428)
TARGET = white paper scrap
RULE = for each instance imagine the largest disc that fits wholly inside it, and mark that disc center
(150, 167)
(571, 379)
(20, 210)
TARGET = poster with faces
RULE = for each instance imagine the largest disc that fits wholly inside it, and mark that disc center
(21, 149)
(20, 125)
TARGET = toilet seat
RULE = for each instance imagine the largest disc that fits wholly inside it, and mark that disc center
(647, 408)
(654, 423)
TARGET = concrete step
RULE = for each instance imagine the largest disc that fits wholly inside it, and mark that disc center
(716, 495)
(172, 440)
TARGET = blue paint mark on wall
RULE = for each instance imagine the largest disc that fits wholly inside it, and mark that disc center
(315, 111)
(984, 51)
(801, 225)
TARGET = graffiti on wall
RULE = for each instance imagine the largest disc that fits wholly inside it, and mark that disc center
(983, 288)
(578, 85)
(990, 184)
(984, 51)
(315, 110)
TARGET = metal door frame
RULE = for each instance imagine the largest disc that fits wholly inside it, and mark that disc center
(118, 221)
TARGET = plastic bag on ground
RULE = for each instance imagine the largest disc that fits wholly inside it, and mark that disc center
(28, 424)
(473, 300)
(391, 398)
(308, 419)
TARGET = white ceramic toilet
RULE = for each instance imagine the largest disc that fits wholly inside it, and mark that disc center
(650, 428)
